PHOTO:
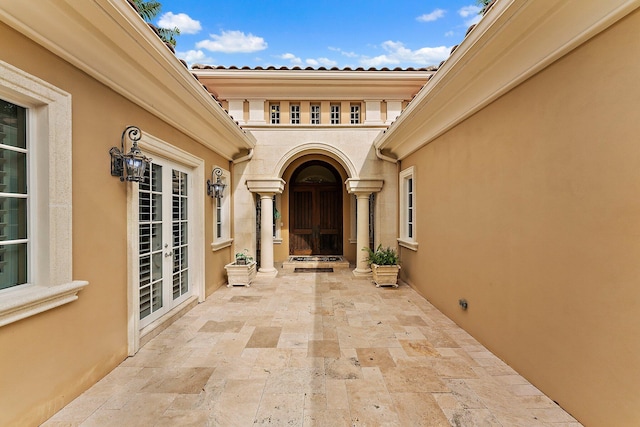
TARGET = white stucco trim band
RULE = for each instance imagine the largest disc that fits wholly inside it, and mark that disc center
(316, 148)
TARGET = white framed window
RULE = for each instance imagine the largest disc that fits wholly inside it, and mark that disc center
(222, 215)
(295, 114)
(36, 149)
(335, 114)
(408, 213)
(274, 109)
(14, 215)
(315, 114)
(355, 114)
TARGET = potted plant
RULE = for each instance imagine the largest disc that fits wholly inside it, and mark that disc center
(243, 258)
(242, 271)
(384, 266)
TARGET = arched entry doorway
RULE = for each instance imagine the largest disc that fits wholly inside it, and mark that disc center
(315, 210)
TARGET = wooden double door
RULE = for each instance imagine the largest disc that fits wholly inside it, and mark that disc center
(315, 211)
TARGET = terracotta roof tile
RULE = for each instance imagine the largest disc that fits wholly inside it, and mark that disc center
(298, 68)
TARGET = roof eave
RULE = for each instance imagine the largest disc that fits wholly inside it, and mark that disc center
(110, 42)
(500, 53)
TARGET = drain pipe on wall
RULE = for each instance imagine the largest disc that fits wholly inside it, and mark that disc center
(243, 158)
(397, 163)
(385, 158)
(234, 162)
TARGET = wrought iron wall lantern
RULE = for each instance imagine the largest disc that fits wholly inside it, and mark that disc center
(130, 166)
(215, 189)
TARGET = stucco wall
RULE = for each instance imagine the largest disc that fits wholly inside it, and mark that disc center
(529, 210)
(349, 149)
(48, 359)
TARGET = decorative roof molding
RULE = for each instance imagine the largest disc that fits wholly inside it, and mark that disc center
(108, 40)
(295, 84)
(513, 41)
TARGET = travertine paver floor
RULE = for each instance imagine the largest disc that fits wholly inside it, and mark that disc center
(313, 349)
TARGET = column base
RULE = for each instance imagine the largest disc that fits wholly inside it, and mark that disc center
(267, 272)
(358, 272)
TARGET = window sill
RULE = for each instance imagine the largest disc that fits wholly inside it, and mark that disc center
(409, 244)
(29, 300)
(221, 244)
(277, 241)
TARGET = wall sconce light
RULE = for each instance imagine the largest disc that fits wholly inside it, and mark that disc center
(215, 189)
(134, 162)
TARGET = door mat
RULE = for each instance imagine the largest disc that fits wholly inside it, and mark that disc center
(313, 270)
(307, 258)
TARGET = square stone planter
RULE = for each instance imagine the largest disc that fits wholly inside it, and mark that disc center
(385, 275)
(240, 274)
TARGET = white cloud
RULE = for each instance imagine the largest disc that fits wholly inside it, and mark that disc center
(291, 58)
(195, 57)
(449, 34)
(467, 11)
(471, 14)
(180, 20)
(343, 53)
(397, 53)
(233, 42)
(433, 16)
(321, 62)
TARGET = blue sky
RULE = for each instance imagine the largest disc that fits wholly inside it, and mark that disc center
(320, 33)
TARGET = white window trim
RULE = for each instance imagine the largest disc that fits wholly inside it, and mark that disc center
(404, 240)
(334, 114)
(294, 114)
(155, 147)
(311, 114)
(274, 113)
(225, 240)
(50, 221)
(354, 116)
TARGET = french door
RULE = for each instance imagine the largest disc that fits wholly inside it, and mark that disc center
(164, 251)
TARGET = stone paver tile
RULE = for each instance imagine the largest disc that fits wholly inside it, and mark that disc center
(419, 410)
(313, 350)
(237, 404)
(342, 368)
(280, 410)
(375, 357)
(414, 379)
(178, 380)
(323, 348)
(224, 326)
(264, 337)
(419, 348)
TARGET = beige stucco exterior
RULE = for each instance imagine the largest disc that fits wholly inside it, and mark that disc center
(523, 153)
(282, 146)
(528, 210)
(48, 359)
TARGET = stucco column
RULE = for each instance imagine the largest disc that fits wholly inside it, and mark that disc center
(362, 188)
(266, 233)
(362, 233)
(266, 188)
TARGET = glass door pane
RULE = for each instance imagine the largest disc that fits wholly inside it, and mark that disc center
(163, 240)
(180, 224)
(150, 242)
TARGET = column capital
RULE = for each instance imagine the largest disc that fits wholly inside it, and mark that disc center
(266, 185)
(363, 185)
